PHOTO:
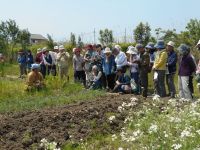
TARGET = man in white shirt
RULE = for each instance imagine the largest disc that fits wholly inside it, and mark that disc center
(120, 58)
(54, 56)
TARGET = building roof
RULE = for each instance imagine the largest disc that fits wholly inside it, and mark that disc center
(37, 37)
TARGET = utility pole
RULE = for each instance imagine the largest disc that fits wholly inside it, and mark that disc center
(125, 36)
(94, 36)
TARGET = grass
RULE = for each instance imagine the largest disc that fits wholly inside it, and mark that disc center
(14, 98)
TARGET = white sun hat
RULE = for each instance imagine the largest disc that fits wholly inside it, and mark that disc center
(61, 47)
(132, 50)
(55, 47)
(107, 50)
(170, 43)
(35, 66)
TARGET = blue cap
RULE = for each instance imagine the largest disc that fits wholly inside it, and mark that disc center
(137, 46)
(150, 45)
(183, 48)
(35, 66)
(160, 44)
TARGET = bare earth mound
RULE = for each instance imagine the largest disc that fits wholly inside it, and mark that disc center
(60, 124)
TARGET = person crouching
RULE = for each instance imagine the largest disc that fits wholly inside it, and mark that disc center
(123, 84)
(35, 79)
(96, 78)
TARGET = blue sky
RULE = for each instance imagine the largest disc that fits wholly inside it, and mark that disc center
(60, 17)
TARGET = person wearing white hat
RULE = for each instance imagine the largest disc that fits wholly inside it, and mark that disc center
(38, 57)
(35, 79)
(171, 68)
(48, 62)
(63, 62)
(96, 78)
(109, 67)
(133, 58)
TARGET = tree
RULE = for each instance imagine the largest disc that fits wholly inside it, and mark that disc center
(12, 30)
(80, 43)
(169, 35)
(73, 39)
(142, 33)
(50, 42)
(106, 37)
(158, 31)
(24, 38)
(193, 27)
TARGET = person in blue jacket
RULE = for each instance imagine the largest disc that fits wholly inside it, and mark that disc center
(109, 67)
(171, 69)
(29, 60)
(22, 63)
(123, 83)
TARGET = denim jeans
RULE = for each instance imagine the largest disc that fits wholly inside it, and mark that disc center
(160, 86)
(170, 84)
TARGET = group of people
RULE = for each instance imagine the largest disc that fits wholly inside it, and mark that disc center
(98, 67)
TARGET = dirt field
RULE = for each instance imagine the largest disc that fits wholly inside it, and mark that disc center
(61, 124)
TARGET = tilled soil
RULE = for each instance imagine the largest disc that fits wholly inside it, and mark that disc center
(60, 124)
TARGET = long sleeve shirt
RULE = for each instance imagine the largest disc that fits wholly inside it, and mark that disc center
(34, 78)
(62, 59)
(78, 62)
(121, 60)
(161, 60)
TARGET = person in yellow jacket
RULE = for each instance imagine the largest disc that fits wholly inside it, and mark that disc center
(34, 79)
(159, 68)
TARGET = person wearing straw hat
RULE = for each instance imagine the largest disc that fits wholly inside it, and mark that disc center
(133, 58)
(159, 68)
(109, 67)
(186, 68)
(35, 79)
(38, 57)
(143, 63)
(63, 62)
(171, 67)
(48, 61)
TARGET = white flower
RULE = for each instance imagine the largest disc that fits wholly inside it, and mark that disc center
(136, 133)
(114, 137)
(120, 148)
(165, 134)
(134, 99)
(111, 118)
(174, 119)
(176, 146)
(43, 140)
(186, 133)
(153, 128)
(156, 98)
(124, 104)
(198, 131)
(120, 108)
